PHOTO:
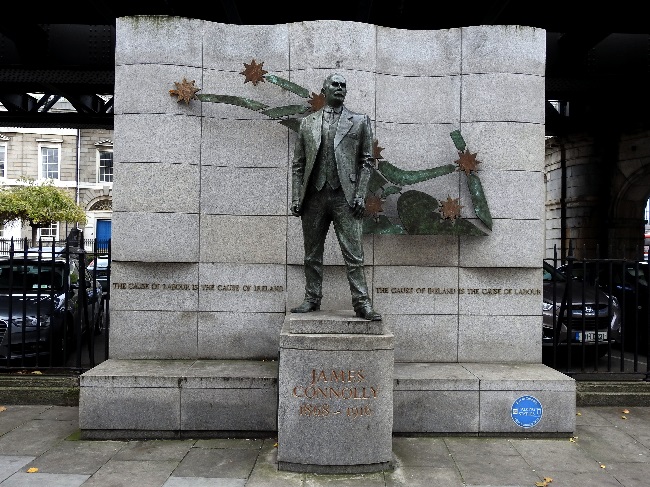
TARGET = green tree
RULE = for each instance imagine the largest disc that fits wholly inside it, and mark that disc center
(39, 205)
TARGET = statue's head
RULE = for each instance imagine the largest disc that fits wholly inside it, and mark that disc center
(334, 89)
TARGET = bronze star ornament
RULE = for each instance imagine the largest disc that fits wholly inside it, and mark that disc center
(254, 72)
(467, 162)
(376, 150)
(450, 208)
(185, 91)
(317, 101)
(373, 205)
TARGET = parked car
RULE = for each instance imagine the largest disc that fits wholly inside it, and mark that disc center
(628, 282)
(40, 305)
(98, 269)
(595, 319)
(45, 251)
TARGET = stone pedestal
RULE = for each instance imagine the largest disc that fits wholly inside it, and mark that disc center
(335, 406)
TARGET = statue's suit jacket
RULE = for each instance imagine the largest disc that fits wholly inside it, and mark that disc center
(352, 150)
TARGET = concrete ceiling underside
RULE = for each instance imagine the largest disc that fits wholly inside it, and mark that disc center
(597, 67)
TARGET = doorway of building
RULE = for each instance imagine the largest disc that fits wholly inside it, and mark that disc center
(103, 235)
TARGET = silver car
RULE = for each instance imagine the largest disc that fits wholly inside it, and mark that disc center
(592, 320)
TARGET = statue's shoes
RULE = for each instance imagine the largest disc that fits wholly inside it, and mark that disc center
(306, 307)
(367, 313)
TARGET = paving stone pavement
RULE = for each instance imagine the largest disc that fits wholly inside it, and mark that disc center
(611, 447)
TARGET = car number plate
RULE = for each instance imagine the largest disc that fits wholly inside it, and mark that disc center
(590, 336)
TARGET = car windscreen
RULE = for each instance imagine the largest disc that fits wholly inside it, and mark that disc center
(30, 276)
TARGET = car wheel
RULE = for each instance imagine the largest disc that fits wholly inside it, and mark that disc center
(64, 344)
(59, 351)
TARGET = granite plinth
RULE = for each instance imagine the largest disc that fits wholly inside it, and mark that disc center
(335, 406)
(333, 322)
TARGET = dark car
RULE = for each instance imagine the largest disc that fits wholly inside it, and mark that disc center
(41, 303)
(98, 269)
(595, 319)
(628, 281)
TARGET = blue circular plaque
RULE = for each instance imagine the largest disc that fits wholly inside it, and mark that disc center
(526, 411)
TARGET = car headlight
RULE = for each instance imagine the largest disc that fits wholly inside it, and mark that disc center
(32, 322)
(547, 306)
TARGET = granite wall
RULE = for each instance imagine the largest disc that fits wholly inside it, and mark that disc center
(206, 258)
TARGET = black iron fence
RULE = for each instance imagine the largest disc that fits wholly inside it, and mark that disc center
(54, 304)
(596, 314)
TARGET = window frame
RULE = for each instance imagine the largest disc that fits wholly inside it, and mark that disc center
(3, 158)
(100, 152)
(41, 147)
(50, 227)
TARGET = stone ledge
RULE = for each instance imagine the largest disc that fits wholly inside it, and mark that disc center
(37, 389)
(241, 395)
(478, 397)
(613, 393)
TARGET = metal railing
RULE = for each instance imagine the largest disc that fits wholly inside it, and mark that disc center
(54, 305)
(596, 315)
(88, 244)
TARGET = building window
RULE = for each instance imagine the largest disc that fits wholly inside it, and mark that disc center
(50, 232)
(3, 160)
(49, 167)
(105, 173)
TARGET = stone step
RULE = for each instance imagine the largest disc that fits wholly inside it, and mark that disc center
(178, 398)
(613, 393)
(35, 389)
(194, 398)
(478, 398)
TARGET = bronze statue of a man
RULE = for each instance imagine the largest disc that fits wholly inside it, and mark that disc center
(331, 167)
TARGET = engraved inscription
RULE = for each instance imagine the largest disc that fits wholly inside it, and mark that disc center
(459, 291)
(196, 287)
(327, 390)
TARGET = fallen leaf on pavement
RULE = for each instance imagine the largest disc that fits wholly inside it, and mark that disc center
(37, 372)
(578, 413)
(602, 466)
(32, 470)
(2, 408)
(623, 417)
(626, 411)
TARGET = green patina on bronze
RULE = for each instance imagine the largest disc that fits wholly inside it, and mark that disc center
(291, 123)
(382, 226)
(234, 100)
(419, 216)
(478, 200)
(418, 212)
(287, 85)
(376, 182)
(389, 190)
(285, 111)
(404, 178)
(458, 140)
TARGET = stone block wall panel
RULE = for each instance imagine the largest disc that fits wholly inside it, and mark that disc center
(210, 184)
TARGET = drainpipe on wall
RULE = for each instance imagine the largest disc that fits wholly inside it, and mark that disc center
(77, 168)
